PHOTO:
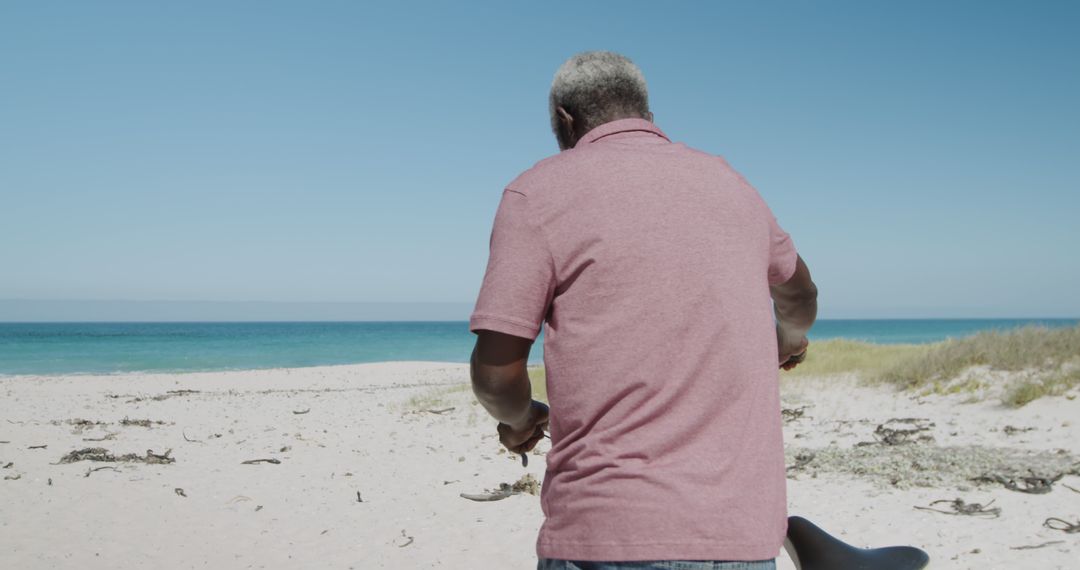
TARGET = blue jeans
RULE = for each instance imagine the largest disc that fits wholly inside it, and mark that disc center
(551, 564)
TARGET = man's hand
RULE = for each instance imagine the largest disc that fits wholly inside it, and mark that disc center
(524, 435)
(791, 346)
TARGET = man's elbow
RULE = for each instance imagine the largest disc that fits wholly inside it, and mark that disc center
(487, 379)
(799, 295)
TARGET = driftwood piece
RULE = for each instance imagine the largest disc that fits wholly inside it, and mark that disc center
(439, 411)
(256, 461)
(488, 496)
(301, 412)
(89, 471)
(37, 447)
(527, 484)
(1033, 485)
(959, 507)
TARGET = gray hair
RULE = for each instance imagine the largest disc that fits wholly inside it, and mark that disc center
(596, 87)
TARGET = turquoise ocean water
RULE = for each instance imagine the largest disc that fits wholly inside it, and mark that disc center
(73, 348)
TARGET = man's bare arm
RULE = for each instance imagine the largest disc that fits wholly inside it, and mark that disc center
(501, 384)
(795, 304)
(499, 378)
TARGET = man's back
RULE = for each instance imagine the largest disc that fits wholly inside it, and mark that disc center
(650, 263)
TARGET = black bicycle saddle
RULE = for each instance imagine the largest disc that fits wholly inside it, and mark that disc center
(814, 549)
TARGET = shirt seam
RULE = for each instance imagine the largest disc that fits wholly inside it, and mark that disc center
(513, 321)
(636, 130)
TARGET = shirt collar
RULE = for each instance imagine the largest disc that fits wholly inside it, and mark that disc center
(620, 126)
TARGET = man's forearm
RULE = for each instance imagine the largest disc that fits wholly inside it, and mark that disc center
(504, 391)
(795, 301)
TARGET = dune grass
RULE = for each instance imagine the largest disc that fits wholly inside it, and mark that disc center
(1048, 358)
(539, 383)
(868, 360)
(1028, 348)
(1033, 388)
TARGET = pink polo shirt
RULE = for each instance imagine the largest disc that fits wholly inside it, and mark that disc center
(649, 264)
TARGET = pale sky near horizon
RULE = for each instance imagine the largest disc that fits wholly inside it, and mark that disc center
(923, 155)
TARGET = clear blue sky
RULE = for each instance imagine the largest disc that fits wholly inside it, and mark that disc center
(922, 154)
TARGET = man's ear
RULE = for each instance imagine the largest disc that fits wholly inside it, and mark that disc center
(648, 116)
(566, 126)
(565, 119)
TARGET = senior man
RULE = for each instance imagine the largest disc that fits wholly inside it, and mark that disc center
(669, 295)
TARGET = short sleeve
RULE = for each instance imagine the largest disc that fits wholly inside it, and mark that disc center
(520, 278)
(782, 254)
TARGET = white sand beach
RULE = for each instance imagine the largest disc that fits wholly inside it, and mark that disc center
(369, 461)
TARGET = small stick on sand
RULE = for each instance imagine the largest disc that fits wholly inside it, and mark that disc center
(1034, 546)
(407, 542)
(89, 471)
(37, 447)
(439, 411)
(254, 461)
(186, 438)
(359, 499)
(300, 412)
(180, 492)
(1073, 489)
